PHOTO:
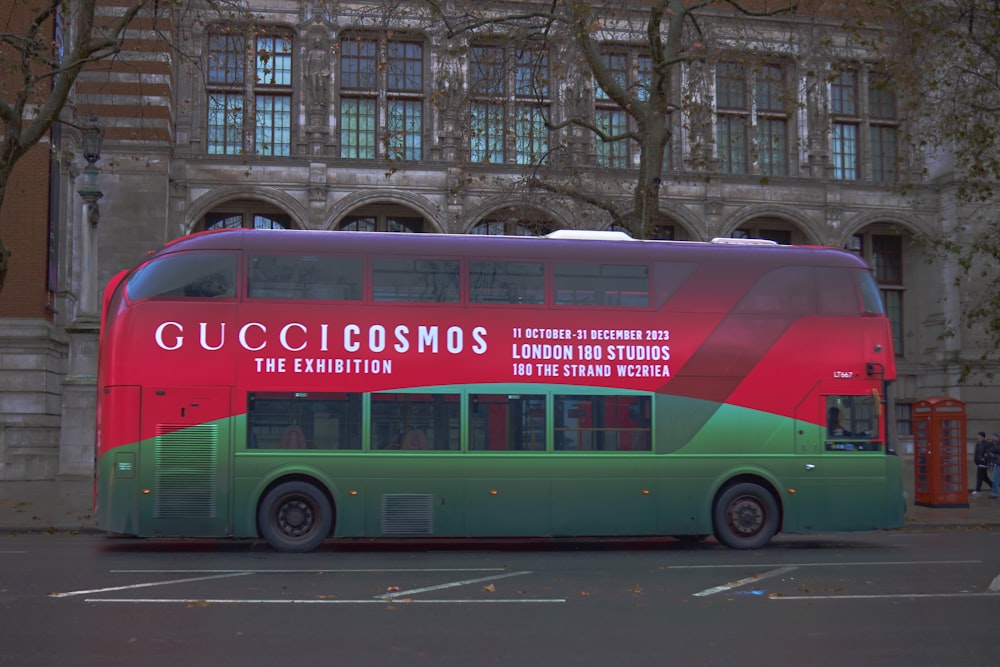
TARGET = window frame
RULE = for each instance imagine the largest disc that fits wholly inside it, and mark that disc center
(382, 97)
(753, 128)
(864, 125)
(240, 80)
(510, 103)
(632, 68)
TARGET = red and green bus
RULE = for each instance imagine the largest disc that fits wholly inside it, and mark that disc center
(301, 385)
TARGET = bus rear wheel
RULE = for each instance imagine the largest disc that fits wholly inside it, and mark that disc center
(295, 517)
(745, 516)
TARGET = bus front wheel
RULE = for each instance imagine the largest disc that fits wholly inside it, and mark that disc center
(745, 516)
(295, 517)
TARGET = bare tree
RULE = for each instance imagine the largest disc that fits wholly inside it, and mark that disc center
(38, 72)
(953, 102)
(671, 33)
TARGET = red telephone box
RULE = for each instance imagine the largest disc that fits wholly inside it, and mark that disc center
(939, 451)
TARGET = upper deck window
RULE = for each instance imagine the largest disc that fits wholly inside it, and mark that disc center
(423, 280)
(787, 290)
(601, 285)
(507, 282)
(185, 275)
(308, 277)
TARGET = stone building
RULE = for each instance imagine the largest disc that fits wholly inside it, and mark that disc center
(350, 116)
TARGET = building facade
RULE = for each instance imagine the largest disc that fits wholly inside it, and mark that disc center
(348, 116)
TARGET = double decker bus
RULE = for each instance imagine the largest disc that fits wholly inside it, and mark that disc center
(300, 385)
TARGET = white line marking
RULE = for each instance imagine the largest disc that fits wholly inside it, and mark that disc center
(309, 601)
(851, 564)
(374, 570)
(995, 584)
(888, 596)
(744, 581)
(453, 584)
(146, 585)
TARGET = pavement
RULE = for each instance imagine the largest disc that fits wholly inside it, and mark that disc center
(66, 505)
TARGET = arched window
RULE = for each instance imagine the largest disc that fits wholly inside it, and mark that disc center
(246, 215)
(661, 232)
(507, 228)
(381, 223)
(513, 222)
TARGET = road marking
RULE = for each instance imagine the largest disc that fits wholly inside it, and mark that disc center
(995, 584)
(887, 596)
(453, 584)
(743, 582)
(395, 597)
(312, 601)
(374, 570)
(838, 563)
(147, 585)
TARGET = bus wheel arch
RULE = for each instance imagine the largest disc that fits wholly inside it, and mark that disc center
(746, 513)
(295, 514)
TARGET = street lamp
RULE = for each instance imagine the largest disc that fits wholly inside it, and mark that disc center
(93, 137)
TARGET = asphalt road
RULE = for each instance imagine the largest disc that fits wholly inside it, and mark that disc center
(914, 598)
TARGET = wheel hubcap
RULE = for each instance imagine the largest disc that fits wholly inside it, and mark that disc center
(295, 518)
(746, 516)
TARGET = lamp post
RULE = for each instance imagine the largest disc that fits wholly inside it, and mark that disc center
(79, 396)
(90, 192)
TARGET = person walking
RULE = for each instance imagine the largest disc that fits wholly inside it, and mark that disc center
(979, 458)
(993, 460)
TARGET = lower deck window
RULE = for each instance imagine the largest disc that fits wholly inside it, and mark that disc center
(418, 422)
(507, 422)
(602, 423)
(304, 421)
(294, 421)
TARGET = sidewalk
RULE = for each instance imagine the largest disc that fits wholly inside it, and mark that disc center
(66, 505)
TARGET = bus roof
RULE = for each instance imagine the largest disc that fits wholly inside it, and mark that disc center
(607, 247)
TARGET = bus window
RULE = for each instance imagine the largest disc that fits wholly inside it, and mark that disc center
(303, 421)
(601, 285)
(298, 277)
(837, 292)
(507, 282)
(187, 275)
(417, 422)
(422, 280)
(602, 423)
(507, 422)
(852, 424)
(783, 291)
(870, 294)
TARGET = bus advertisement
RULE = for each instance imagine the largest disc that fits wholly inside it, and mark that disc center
(300, 385)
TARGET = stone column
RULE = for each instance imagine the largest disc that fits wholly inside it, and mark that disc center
(79, 397)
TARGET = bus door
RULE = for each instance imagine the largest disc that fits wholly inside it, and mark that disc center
(185, 461)
(807, 477)
(841, 462)
(854, 461)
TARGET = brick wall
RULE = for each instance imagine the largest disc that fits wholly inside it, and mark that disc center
(24, 227)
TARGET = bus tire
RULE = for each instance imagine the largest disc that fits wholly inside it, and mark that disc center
(745, 516)
(295, 517)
